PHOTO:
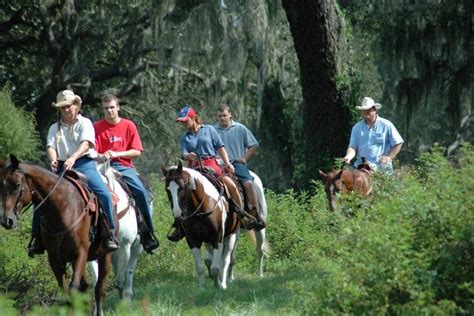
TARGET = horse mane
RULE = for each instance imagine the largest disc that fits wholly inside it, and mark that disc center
(194, 176)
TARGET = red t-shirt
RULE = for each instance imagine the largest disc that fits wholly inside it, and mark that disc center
(119, 137)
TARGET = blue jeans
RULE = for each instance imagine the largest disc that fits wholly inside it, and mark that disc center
(88, 167)
(138, 190)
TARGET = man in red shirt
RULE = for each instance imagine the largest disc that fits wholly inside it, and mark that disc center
(117, 140)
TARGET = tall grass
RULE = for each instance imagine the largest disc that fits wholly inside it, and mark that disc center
(409, 249)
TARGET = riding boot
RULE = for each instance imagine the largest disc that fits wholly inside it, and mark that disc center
(109, 241)
(177, 234)
(35, 246)
(147, 238)
(260, 223)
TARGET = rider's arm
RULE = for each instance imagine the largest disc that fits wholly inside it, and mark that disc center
(248, 154)
(53, 157)
(131, 153)
(223, 153)
(350, 154)
(392, 154)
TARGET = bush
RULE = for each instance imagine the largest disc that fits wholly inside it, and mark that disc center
(18, 133)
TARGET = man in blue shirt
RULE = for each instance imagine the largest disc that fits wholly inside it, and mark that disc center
(374, 138)
(241, 146)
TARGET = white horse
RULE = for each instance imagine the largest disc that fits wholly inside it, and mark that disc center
(124, 260)
(257, 237)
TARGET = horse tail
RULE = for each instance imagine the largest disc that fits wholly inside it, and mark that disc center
(258, 186)
(265, 247)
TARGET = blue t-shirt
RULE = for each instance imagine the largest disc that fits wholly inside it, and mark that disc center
(205, 143)
(374, 142)
(237, 138)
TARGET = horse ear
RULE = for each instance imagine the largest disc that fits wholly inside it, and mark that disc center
(339, 174)
(180, 167)
(323, 175)
(15, 162)
(164, 170)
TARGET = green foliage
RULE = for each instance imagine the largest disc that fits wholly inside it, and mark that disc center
(17, 130)
(406, 250)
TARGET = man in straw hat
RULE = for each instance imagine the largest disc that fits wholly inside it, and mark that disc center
(374, 138)
(69, 145)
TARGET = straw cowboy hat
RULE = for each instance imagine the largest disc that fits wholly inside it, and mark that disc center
(67, 97)
(368, 103)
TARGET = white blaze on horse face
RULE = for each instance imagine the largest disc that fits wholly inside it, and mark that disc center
(173, 188)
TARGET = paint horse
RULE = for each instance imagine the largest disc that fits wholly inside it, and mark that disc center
(124, 260)
(66, 220)
(206, 219)
(345, 181)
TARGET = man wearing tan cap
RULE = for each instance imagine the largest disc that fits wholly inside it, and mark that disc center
(374, 138)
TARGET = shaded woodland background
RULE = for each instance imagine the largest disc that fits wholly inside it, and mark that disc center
(293, 71)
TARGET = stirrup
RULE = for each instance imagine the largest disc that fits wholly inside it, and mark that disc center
(176, 234)
(35, 247)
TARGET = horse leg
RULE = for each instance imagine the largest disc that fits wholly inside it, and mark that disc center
(59, 271)
(198, 265)
(100, 287)
(79, 267)
(208, 259)
(230, 273)
(94, 269)
(119, 265)
(136, 249)
(260, 249)
(228, 246)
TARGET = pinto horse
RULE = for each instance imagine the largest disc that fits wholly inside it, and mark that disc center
(206, 219)
(65, 224)
(345, 181)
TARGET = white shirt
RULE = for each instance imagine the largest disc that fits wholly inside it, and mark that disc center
(68, 139)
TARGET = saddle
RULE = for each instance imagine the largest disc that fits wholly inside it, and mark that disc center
(79, 180)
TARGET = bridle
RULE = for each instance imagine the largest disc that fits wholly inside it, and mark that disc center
(196, 212)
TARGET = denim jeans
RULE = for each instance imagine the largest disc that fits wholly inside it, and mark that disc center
(88, 167)
(138, 190)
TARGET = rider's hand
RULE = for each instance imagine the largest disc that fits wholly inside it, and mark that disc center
(346, 160)
(191, 156)
(69, 163)
(385, 159)
(242, 160)
(229, 168)
(54, 165)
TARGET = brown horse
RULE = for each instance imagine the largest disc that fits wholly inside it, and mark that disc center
(16, 205)
(345, 181)
(206, 219)
(65, 223)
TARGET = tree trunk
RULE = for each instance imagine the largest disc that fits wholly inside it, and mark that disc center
(320, 45)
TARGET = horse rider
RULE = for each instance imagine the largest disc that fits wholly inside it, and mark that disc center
(241, 146)
(117, 139)
(200, 145)
(374, 139)
(70, 143)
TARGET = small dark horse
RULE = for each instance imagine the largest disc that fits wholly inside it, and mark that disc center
(206, 218)
(345, 181)
(65, 223)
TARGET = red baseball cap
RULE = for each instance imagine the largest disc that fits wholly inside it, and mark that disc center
(185, 114)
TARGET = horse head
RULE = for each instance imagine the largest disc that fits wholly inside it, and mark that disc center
(332, 185)
(178, 187)
(15, 192)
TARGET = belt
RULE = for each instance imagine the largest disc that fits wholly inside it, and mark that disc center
(207, 157)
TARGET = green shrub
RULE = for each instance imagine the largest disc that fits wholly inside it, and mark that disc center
(18, 133)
